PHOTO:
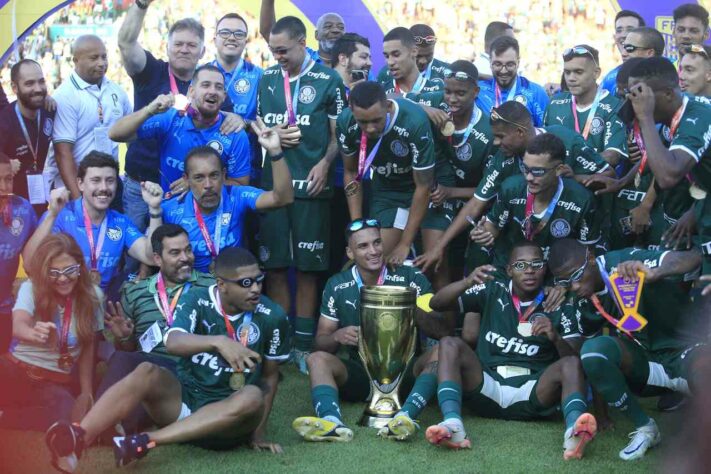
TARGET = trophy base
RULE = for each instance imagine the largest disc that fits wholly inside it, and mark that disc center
(374, 421)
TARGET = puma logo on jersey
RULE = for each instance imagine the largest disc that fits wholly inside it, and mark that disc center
(179, 307)
(559, 118)
(208, 325)
(351, 303)
(271, 89)
(503, 305)
(692, 120)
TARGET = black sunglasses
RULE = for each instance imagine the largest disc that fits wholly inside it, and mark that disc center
(536, 171)
(245, 282)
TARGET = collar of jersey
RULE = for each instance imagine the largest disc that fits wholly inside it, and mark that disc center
(81, 84)
(231, 317)
(605, 93)
(79, 214)
(153, 280)
(523, 303)
(189, 198)
(190, 126)
(310, 66)
(394, 118)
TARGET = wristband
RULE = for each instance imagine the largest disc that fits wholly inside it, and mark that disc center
(156, 216)
(277, 157)
(141, 5)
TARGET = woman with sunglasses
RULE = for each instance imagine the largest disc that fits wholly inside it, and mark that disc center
(55, 318)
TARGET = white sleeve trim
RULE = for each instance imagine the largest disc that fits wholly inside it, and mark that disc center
(165, 338)
(423, 168)
(604, 168)
(281, 357)
(483, 199)
(626, 155)
(329, 317)
(685, 149)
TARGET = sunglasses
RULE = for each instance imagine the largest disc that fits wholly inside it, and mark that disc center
(283, 51)
(431, 39)
(696, 49)
(460, 76)
(71, 271)
(245, 282)
(630, 48)
(570, 53)
(359, 224)
(575, 276)
(523, 265)
(496, 117)
(536, 171)
(238, 34)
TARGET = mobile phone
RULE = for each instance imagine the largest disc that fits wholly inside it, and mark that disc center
(359, 75)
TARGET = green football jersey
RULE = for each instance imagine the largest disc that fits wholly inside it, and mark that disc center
(581, 158)
(662, 303)
(406, 146)
(423, 85)
(269, 336)
(607, 132)
(140, 303)
(573, 217)
(341, 295)
(320, 98)
(466, 154)
(499, 341)
(436, 70)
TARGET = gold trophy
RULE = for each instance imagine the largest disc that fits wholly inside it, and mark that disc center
(386, 343)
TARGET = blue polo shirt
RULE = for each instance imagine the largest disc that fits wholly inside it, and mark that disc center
(121, 234)
(177, 135)
(235, 202)
(609, 82)
(22, 223)
(530, 94)
(242, 85)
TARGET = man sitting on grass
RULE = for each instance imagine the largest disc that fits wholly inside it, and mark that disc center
(231, 340)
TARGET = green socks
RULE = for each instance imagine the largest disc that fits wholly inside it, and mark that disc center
(573, 406)
(304, 333)
(449, 395)
(325, 400)
(422, 392)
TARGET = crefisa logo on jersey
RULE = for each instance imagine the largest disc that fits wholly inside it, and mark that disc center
(253, 335)
(597, 126)
(560, 228)
(216, 145)
(307, 94)
(242, 85)
(464, 152)
(398, 148)
(114, 234)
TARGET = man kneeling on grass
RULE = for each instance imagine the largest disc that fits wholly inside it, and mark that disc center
(231, 339)
(525, 362)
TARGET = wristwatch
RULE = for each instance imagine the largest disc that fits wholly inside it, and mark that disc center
(141, 4)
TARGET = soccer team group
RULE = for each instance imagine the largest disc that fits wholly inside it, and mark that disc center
(558, 237)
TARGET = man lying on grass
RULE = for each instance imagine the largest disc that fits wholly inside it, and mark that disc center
(231, 339)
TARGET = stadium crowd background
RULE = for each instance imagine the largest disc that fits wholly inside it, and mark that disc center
(543, 28)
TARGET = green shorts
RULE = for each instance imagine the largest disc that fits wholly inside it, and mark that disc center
(513, 398)
(298, 234)
(357, 386)
(389, 207)
(439, 217)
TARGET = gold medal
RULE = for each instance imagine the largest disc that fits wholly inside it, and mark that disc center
(448, 129)
(637, 180)
(95, 277)
(525, 329)
(181, 103)
(696, 192)
(65, 361)
(237, 381)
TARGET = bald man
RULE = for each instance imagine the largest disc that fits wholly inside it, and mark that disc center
(329, 28)
(88, 104)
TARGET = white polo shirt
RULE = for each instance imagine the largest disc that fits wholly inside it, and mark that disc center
(85, 112)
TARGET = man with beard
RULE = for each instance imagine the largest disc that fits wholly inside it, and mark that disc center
(17, 225)
(352, 59)
(146, 312)
(625, 21)
(178, 133)
(403, 76)
(88, 104)
(691, 26)
(483, 60)
(695, 71)
(329, 28)
(507, 84)
(101, 233)
(26, 131)
(427, 64)
(213, 213)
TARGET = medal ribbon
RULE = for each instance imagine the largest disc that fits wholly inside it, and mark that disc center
(509, 97)
(66, 322)
(588, 123)
(173, 84)
(246, 321)
(416, 88)
(34, 150)
(476, 115)
(427, 73)
(359, 280)
(529, 232)
(612, 320)
(640, 144)
(213, 246)
(363, 162)
(235, 72)
(94, 252)
(165, 308)
(291, 103)
(531, 308)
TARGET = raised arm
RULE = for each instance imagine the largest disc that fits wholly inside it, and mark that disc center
(125, 129)
(132, 53)
(267, 18)
(282, 192)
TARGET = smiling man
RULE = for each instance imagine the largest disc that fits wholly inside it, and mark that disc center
(427, 64)
(625, 21)
(695, 71)
(403, 75)
(691, 26)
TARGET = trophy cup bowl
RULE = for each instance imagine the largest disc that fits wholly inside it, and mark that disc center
(386, 344)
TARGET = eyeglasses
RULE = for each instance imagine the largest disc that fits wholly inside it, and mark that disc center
(359, 224)
(696, 49)
(570, 53)
(498, 66)
(245, 282)
(496, 116)
(283, 51)
(575, 276)
(459, 76)
(522, 265)
(536, 171)
(630, 48)
(238, 34)
(70, 272)
(431, 39)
